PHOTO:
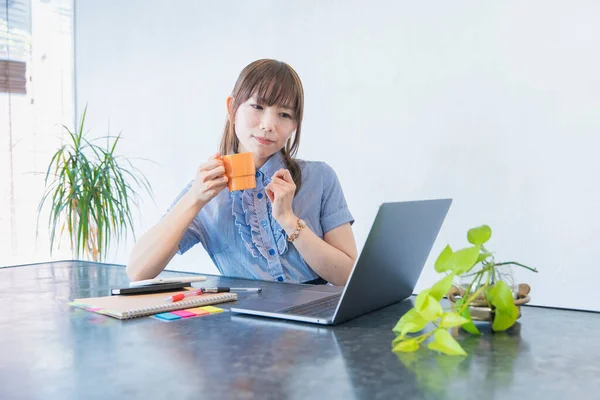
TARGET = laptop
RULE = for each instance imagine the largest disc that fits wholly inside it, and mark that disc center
(385, 272)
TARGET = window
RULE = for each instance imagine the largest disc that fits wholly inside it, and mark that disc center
(15, 45)
(36, 98)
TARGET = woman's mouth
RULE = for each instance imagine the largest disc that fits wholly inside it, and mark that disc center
(262, 140)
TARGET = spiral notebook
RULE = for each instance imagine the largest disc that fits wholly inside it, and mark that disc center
(126, 307)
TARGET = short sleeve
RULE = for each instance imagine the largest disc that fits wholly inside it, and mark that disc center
(193, 234)
(334, 210)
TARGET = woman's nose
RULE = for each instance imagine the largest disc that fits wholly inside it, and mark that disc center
(267, 123)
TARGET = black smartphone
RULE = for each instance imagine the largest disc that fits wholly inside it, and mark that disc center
(158, 288)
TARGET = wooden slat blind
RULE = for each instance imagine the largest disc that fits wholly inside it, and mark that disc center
(13, 77)
(15, 45)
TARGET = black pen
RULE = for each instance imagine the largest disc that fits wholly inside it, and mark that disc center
(222, 289)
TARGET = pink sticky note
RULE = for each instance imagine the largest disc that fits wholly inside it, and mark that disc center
(198, 311)
(183, 313)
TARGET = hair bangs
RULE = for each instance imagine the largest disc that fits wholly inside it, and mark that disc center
(273, 85)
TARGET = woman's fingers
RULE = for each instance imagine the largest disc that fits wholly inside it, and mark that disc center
(217, 182)
(270, 195)
(280, 181)
(283, 186)
(269, 190)
(211, 164)
(210, 179)
(276, 187)
(216, 172)
(287, 176)
(280, 173)
(284, 176)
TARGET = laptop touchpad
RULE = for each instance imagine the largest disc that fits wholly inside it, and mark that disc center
(300, 297)
(277, 303)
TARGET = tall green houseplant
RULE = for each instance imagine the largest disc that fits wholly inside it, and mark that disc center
(90, 192)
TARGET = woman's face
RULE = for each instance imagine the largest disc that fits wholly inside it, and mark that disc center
(261, 129)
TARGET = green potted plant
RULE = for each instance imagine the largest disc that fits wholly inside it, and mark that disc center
(484, 292)
(90, 193)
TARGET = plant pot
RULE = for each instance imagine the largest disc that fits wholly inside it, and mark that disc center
(479, 308)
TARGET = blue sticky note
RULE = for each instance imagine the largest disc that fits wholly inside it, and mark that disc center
(167, 316)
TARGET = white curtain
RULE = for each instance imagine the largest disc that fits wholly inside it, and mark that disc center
(39, 33)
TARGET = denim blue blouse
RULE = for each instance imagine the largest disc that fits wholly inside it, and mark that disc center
(243, 239)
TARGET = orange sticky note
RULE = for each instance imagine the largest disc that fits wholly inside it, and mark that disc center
(198, 311)
(211, 309)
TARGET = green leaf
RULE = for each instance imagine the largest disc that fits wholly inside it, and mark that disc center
(442, 262)
(458, 262)
(410, 322)
(466, 314)
(441, 288)
(398, 339)
(445, 343)
(479, 235)
(463, 260)
(406, 346)
(483, 256)
(471, 328)
(501, 296)
(450, 320)
(428, 306)
(505, 311)
(504, 319)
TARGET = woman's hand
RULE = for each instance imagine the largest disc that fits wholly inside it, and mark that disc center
(210, 180)
(281, 194)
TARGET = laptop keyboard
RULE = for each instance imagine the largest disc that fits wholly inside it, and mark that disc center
(324, 307)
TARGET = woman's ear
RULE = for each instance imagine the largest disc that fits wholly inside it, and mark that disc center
(230, 109)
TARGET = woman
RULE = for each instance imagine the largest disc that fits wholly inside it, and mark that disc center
(294, 226)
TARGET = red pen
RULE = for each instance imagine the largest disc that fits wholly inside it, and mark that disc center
(181, 296)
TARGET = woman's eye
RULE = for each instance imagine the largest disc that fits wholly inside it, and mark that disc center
(286, 115)
(256, 106)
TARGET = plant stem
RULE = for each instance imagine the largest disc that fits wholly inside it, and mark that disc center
(477, 279)
(477, 293)
(516, 263)
(472, 274)
(478, 276)
(424, 337)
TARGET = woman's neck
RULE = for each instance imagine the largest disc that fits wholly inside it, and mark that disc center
(258, 162)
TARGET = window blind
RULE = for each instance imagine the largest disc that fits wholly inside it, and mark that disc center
(15, 45)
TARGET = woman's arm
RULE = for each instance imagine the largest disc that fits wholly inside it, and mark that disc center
(156, 248)
(332, 258)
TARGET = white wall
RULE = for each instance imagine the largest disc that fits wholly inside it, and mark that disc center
(495, 104)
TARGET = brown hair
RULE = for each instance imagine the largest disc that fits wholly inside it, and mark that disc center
(275, 83)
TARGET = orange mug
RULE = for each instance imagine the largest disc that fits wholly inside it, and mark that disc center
(240, 171)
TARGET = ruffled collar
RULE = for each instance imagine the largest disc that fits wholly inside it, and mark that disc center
(246, 215)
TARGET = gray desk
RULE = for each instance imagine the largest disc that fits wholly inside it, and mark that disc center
(49, 350)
